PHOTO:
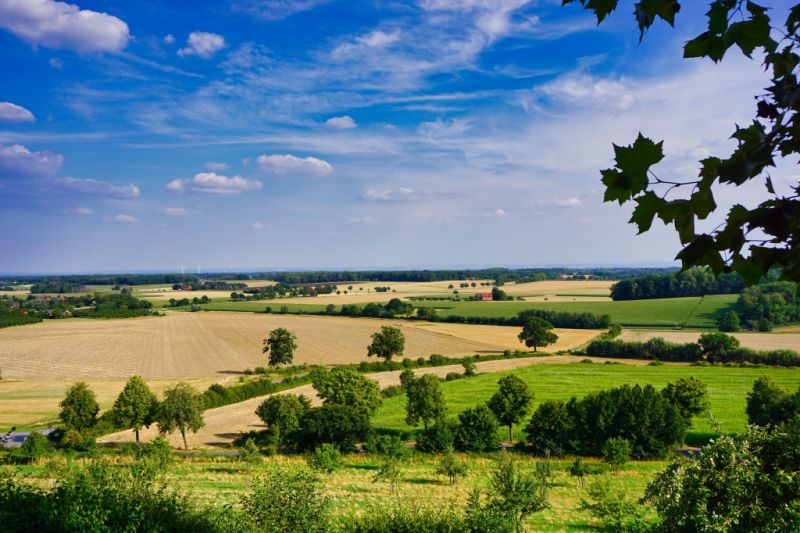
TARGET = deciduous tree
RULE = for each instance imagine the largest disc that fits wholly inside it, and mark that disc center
(387, 343)
(182, 409)
(510, 403)
(79, 407)
(280, 345)
(135, 406)
(536, 333)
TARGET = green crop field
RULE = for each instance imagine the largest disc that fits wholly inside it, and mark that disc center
(699, 312)
(259, 306)
(727, 388)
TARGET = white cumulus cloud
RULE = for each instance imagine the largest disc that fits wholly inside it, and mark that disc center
(290, 164)
(210, 182)
(17, 161)
(341, 123)
(202, 44)
(61, 25)
(13, 113)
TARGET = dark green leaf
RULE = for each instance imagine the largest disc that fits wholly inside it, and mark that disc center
(647, 206)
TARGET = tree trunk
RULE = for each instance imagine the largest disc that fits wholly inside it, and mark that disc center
(511, 433)
(137, 436)
(183, 434)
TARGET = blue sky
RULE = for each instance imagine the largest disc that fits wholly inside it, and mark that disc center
(256, 134)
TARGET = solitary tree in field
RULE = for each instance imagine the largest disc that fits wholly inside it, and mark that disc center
(182, 409)
(387, 343)
(536, 333)
(424, 398)
(510, 403)
(280, 345)
(135, 407)
(516, 493)
(79, 407)
(390, 472)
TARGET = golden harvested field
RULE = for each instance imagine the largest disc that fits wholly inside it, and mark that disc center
(756, 341)
(163, 293)
(507, 336)
(556, 291)
(217, 344)
(25, 403)
(224, 424)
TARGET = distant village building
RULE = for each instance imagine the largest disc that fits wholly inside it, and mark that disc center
(484, 296)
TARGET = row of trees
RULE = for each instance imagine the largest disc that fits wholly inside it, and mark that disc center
(710, 347)
(135, 408)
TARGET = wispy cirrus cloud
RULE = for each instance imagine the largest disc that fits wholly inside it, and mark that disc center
(102, 188)
(276, 9)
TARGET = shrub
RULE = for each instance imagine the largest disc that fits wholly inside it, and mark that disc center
(35, 447)
(452, 376)
(386, 445)
(340, 425)
(451, 467)
(282, 414)
(612, 507)
(398, 518)
(437, 360)
(392, 390)
(476, 430)
(249, 452)
(439, 437)
(325, 458)
(469, 368)
(616, 452)
(285, 500)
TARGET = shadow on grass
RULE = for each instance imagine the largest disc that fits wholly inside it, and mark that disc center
(364, 467)
(424, 481)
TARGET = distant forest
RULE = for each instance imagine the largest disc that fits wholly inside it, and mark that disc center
(694, 282)
(500, 275)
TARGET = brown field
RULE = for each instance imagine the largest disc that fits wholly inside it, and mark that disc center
(24, 403)
(756, 341)
(218, 344)
(224, 424)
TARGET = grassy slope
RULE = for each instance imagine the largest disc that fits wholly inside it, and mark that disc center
(728, 388)
(691, 311)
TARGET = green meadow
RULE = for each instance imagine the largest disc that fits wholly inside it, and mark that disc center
(727, 389)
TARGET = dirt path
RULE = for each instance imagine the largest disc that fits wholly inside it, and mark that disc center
(224, 424)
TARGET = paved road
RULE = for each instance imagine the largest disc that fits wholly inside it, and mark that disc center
(14, 439)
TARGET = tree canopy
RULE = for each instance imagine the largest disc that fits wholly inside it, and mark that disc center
(386, 343)
(182, 409)
(424, 398)
(345, 386)
(536, 333)
(510, 403)
(751, 241)
(79, 407)
(280, 345)
(135, 406)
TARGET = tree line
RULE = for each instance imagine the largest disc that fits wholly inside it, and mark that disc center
(691, 282)
(710, 347)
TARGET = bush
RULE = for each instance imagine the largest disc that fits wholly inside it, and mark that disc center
(395, 518)
(249, 452)
(340, 425)
(284, 500)
(282, 414)
(616, 452)
(452, 376)
(386, 445)
(476, 430)
(35, 447)
(437, 360)
(612, 507)
(451, 467)
(392, 390)
(325, 458)
(469, 368)
(439, 437)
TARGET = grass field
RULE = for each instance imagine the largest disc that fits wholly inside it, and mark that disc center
(727, 387)
(222, 481)
(697, 312)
